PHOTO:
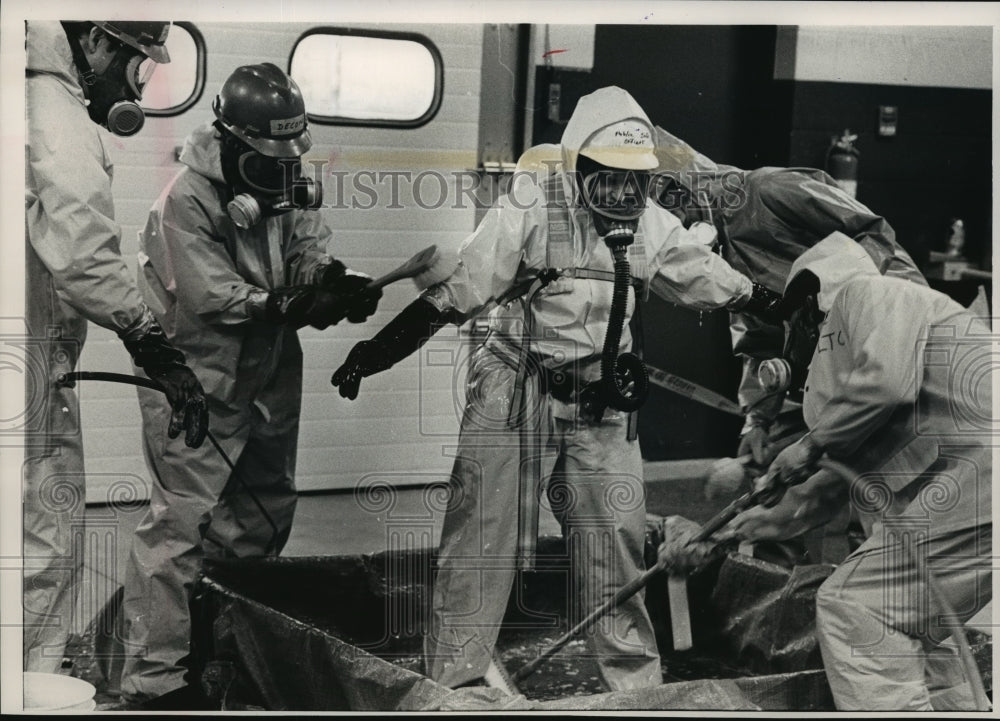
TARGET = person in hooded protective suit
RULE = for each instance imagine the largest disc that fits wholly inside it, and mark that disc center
(233, 260)
(79, 75)
(765, 219)
(899, 389)
(539, 264)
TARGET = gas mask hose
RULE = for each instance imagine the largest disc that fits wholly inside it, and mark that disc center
(618, 371)
(624, 383)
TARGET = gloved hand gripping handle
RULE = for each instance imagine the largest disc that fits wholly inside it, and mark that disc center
(342, 294)
(153, 352)
(639, 582)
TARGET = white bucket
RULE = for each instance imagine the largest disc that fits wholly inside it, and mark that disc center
(51, 692)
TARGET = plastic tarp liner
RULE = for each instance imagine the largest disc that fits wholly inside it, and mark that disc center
(294, 666)
(344, 633)
(289, 665)
(767, 613)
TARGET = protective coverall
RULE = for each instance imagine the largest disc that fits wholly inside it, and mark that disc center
(766, 218)
(197, 272)
(593, 471)
(74, 273)
(899, 389)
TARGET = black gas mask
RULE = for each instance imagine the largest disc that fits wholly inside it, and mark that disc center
(616, 199)
(112, 95)
(802, 328)
(264, 186)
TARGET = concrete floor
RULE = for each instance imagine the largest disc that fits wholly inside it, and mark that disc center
(325, 524)
(336, 523)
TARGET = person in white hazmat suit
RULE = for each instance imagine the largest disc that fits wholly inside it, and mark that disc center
(79, 75)
(898, 387)
(548, 396)
(233, 260)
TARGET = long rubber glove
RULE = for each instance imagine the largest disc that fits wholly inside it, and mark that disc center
(165, 364)
(404, 334)
(288, 305)
(764, 303)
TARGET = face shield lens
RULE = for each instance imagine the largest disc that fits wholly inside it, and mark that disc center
(268, 175)
(146, 69)
(617, 194)
(138, 71)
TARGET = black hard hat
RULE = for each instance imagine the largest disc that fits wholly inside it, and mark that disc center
(149, 37)
(263, 107)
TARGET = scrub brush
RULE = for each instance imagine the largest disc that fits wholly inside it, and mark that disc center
(428, 267)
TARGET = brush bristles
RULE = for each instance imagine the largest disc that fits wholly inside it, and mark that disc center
(444, 264)
(496, 676)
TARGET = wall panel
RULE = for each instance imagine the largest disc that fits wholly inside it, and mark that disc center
(340, 441)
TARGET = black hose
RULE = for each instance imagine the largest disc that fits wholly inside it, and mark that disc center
(68, 379)
(617, 371)
(616, 322)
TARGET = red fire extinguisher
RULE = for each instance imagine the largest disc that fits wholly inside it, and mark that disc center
(842, 162)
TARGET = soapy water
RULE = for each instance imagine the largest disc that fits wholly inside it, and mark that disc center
(573, 671)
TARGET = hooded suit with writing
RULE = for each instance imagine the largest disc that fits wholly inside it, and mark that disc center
(900, 389)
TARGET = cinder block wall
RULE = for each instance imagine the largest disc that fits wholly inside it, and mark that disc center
(385, 432)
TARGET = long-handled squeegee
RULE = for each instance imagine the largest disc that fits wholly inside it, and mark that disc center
(768, 494)
(639, 582)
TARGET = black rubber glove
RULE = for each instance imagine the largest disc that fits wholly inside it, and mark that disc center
(287, 306)
(165, 364)
(340, 295)
(404, 334)
(763, 303)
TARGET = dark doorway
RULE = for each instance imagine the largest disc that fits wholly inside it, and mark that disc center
(712, 86)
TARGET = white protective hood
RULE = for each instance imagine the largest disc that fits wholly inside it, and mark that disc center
(202, 152)
(608, 126)
(835, 260)
(48, 52)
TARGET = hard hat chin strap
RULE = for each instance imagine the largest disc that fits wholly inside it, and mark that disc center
(109, 104)
(87, 74)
